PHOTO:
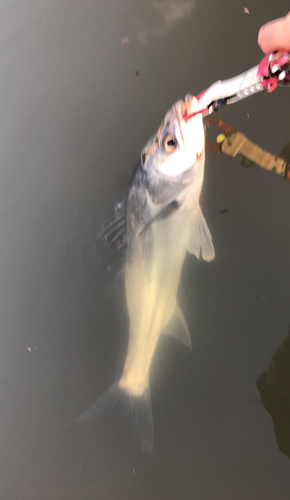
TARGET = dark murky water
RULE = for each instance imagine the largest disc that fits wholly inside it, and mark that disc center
(83, 86)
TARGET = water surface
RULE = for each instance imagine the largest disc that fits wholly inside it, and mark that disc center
(83, 87)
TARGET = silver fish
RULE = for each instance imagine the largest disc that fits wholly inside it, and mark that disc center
(163, 221)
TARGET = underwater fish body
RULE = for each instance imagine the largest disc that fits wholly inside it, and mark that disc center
(163, 222)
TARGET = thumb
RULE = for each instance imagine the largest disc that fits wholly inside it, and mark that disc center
(275, 35)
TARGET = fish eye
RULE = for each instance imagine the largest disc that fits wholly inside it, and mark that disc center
(169, 143)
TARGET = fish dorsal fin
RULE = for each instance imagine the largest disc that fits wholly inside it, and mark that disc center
(200, 241)
(177, 328)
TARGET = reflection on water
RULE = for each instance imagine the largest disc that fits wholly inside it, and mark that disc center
(274, 384)
(274, 388)
(232, 142)
(166, 15)
(285, 154)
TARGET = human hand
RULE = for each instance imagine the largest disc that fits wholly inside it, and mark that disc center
(275, 35)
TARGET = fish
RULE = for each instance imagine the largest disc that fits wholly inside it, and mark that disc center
(159, 221)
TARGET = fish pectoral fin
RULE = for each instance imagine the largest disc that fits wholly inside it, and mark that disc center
(200, 241)
(177, 328)
(155, 212)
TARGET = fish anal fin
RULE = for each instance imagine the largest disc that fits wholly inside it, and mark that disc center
(200, 241)
(177, 328)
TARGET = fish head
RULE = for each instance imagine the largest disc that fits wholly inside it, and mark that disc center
(178, 143)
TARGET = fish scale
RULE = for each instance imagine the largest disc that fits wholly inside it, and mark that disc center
(163, 222)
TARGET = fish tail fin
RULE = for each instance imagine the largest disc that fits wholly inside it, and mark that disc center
(137, 408)
(144, 420)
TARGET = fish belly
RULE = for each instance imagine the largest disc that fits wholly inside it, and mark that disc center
(152, 280)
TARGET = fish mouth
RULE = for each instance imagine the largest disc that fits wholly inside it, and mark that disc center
(190, 105)
(180, 113)
(185, 110)
(190, 127)
(182, 108)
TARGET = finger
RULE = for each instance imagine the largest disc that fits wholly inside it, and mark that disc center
(275, 35)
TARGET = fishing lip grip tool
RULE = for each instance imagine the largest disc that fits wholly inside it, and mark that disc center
(273, 71)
